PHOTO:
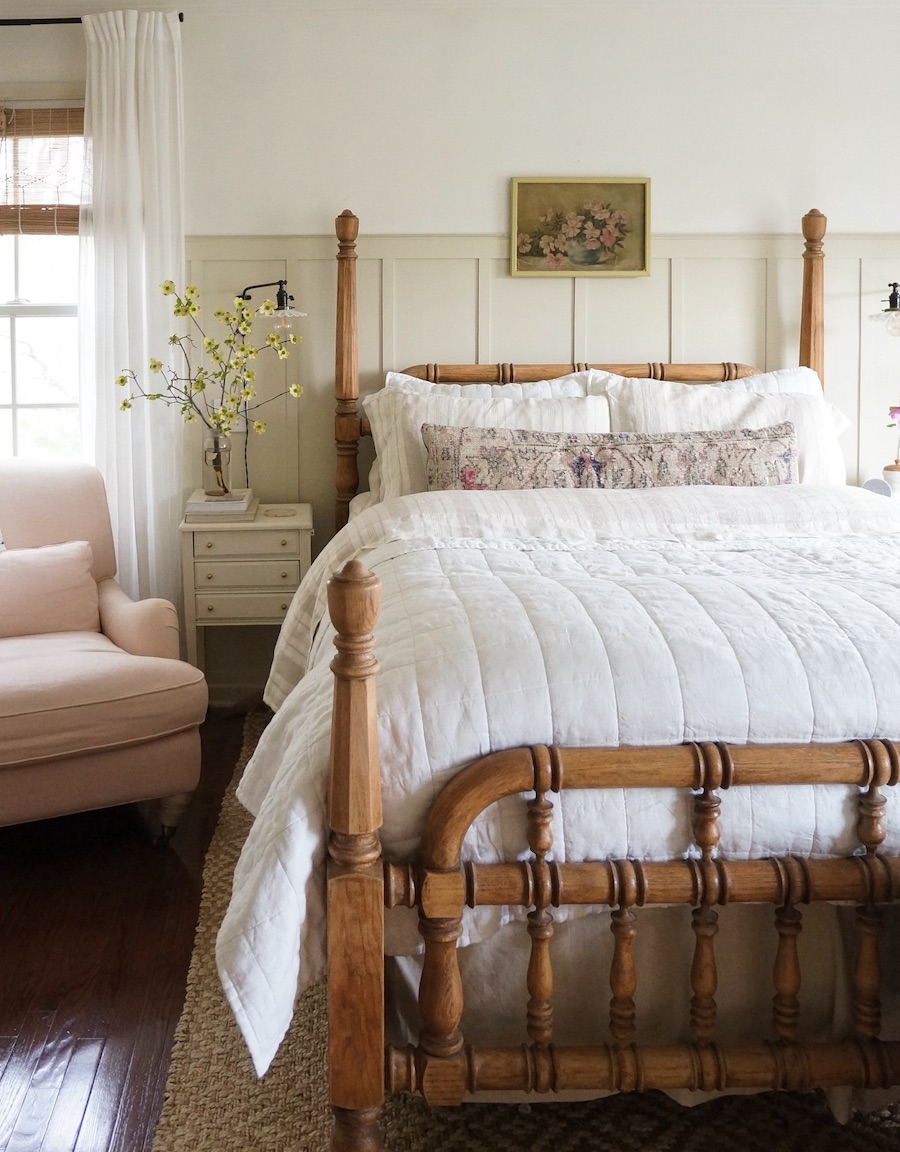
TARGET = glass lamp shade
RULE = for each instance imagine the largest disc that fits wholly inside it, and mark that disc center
(890, 317)
(284, 319)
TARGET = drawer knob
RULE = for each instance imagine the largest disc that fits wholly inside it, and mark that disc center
(284, 607)
(210, 608)
(209, 575)
(284, 575)
(284, 543)
(209, 543)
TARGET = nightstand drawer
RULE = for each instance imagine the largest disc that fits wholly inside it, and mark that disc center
(257, 543)
(247, 574)
(242, 606)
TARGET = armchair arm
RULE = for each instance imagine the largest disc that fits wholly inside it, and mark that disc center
(141, 627)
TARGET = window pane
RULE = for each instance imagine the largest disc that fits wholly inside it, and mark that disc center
(47, 360)
(48, 269)
(5, 352)
(49, 432)
(7, 268)
(6, 447)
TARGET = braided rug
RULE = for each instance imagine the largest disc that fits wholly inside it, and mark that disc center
(215, 1103)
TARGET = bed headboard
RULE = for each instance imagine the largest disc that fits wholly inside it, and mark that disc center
(350, 426)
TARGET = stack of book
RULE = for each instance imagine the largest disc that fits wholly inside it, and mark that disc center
(239, 504)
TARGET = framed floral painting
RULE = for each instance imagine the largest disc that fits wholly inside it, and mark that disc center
(575, 226)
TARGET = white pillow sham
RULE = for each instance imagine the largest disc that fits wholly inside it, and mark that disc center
(585, 383)
(397, 416)
(666, 406)
(778, 381)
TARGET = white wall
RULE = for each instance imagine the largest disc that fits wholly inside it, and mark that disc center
(743, 112)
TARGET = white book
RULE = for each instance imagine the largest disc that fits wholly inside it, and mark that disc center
(219, 517)
(237, 500)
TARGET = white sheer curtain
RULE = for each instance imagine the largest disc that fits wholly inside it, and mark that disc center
(132, 228)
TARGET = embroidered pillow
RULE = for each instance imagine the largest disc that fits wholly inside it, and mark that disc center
(396, 419)
(667, 406)
(513, 458)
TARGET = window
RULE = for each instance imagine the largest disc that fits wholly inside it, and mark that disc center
(41, 162)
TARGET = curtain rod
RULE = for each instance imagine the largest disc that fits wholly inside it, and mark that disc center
(53, 20)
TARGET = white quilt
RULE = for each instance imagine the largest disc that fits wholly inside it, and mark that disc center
(570, 617)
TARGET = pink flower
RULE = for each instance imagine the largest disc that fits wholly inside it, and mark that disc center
(524, 242)
(894, 413)
(555, 261)
(609, 237)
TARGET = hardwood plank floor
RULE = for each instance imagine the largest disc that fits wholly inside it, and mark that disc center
(96, 931)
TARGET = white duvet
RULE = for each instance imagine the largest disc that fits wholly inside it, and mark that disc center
(570, 617)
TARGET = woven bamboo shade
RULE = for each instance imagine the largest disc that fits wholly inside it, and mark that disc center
(41, 167)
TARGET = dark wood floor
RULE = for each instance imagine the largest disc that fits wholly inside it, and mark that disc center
(96, 930)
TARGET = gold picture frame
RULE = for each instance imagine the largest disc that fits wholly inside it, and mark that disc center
(580, 226)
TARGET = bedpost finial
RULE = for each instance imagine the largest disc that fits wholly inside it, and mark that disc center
(346, 226)
(814, 223)
(354, 596)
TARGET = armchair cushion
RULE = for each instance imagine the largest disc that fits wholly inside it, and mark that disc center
(48, 589)
(65, 694)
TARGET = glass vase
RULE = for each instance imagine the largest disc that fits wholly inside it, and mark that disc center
(217, 465)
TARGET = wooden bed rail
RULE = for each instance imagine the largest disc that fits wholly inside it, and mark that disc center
(350, 426)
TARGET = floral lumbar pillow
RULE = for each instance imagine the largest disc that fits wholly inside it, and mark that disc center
(513, 458)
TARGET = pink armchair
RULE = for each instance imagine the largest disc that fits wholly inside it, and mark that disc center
(96, 708)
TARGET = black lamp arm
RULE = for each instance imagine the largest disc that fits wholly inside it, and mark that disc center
(282, 298)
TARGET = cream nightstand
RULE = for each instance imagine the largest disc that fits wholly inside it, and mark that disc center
(242, 572)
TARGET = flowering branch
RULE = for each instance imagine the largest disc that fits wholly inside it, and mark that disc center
(214, 395)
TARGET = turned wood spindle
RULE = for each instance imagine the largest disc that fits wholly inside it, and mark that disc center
(871, 829)
(704, 975)
(440, 987)
(623, 977)
(867, 973)
(786, 973)
(540, 924)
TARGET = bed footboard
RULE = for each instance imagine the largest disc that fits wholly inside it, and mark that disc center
(442, 1066)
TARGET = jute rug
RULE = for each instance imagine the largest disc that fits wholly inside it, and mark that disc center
(214, 1102)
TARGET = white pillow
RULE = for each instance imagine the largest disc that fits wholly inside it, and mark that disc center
(586, 383)
(48, 589)
(396, 418)
(666, 406)
(781, 380)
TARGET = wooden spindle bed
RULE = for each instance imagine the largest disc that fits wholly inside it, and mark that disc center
(440, 883)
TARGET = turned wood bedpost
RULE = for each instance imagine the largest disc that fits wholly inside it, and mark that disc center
(812, 308)
(346, 369)
(355, 895)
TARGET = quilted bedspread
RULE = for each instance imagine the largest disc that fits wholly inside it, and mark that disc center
(764, 615)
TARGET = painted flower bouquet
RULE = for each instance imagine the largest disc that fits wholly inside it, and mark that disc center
(221, 391)
(581, 237)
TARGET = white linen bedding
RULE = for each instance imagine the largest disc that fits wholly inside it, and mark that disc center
(570, 617)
